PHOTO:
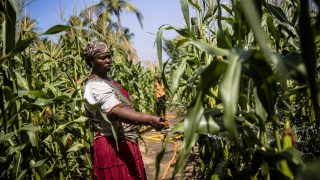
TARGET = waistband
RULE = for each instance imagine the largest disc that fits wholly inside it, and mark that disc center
(99, 135)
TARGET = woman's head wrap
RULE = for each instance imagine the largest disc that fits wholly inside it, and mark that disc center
(94, 48)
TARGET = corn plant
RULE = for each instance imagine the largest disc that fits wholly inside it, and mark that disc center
(245, 72)
(44, 132)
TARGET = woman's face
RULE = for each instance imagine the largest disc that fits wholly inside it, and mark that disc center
(102, 62)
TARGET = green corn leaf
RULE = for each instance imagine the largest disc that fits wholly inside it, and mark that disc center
(3, 159)
(6, 137)
(42, 65)
(277, 12)
(310, 171)
(259, 107)
(22, 82)
(40, 162)
(295, 66)
(293, 91)
(265, 81)
(225, 7)
(14, 149)
(177, 74)
(195, 5)
(251, 14)
(114, 134)
(159, 43)
(15, 5)
(56, 29)
(185, 11)
(61, 99)
(41, 173)
(39, 94)
(42, 102)
(9, 26)
(185, 33)
(22, 174)
(61, 128)
(19, 47)
(290, 155)
(159, 157)
(254, 118)
(48, 139)
(178, 127)
(17, 165)
(288, 29)
(51, 168)
(30, 127)
(273, 30)
(207, 123)
(181, 41)
(182, 32)
(81, 119)
(7, 93)
(211, 75)
(87, 159)
(62, 149)
(308, 53)
(214, 51)
(191, 123)
(75, 147)
(33, 138)
(229, 90)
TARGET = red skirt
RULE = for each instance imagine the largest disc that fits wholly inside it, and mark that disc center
(110, 163)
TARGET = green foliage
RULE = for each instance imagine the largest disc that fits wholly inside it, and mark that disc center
(248, 65)
(44, 132)
(245, 75)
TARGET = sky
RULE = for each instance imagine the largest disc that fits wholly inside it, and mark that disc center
(155, 12)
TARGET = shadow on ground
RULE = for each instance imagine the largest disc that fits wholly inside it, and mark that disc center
(151, 146)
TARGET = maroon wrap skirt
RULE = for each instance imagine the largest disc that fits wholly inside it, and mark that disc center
(122, 164)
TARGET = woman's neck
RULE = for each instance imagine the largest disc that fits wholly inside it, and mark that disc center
(99, 75)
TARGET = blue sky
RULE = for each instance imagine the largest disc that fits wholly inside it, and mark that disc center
(155, 13)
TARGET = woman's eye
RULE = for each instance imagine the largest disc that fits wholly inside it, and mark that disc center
(107, 56)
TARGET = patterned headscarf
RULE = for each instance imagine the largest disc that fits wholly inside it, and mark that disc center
(94, 48)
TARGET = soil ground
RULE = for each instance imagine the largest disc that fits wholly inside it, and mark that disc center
(151, 147)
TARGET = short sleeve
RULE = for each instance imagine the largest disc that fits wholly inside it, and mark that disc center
(101, 94)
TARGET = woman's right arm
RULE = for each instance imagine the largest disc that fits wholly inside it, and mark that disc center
(131, 116)
(105, 96)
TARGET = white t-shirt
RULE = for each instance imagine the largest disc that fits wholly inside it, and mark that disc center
(103, 97)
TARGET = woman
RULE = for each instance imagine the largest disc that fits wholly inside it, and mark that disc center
(108, 103)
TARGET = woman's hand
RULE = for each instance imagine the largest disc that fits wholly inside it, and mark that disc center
(159, 124)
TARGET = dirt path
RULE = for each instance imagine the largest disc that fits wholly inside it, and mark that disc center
(151, 147)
